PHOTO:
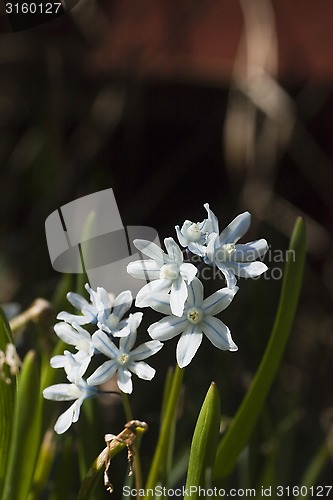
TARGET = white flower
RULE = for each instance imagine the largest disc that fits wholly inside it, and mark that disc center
(110, 317)
(78, 391)
(169, 272)
(232, 259)
(197, 319)
(194, 235)
(89, 310)
(124, 360)
(75, 365)
(78, 337)
(104, 310)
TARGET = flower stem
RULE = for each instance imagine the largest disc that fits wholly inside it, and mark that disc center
(157, 464)
(127, 406)
(137, 464)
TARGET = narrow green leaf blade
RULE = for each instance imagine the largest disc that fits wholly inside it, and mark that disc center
(161, 451)
(26, 431)
(204, 443)
(7, 401)
(246, 417)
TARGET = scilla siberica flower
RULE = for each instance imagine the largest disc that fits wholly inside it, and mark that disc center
(124, 360)
(77, 390)
(76, 336)
(198, 318)
(236, 259)
(194, 235)
(168, 272)
(104, 310)
(221, 250)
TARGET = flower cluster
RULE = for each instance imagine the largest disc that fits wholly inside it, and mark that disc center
(174, 289)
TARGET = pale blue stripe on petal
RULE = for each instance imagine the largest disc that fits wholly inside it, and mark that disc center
(103, 373)
(188, 345)
(218, 333)
(236, 229)
(144, 269)
(104, 344)
(142, 370)
(125, 380)
(218, 301)
(146, 350)
(167, 328)
(151, 250)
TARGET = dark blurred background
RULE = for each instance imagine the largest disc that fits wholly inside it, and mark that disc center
(175, 104)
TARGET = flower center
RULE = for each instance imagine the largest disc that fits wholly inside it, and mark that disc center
(169, 272)
(83, 345)
(193, 232)
(123, 358)
(226, 252)
(113, 321)
(194, 315)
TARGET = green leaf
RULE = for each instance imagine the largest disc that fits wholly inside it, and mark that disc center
(7, 401)
(25, 440)
(43, 465)
(161, 451)
(246, 417)
(204, 443)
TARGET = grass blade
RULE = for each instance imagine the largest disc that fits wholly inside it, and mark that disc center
(246, 417)
(7, 401)
(204, 443)
(26, 432)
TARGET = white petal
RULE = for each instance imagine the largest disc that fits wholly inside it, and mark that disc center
(77, 300)
(197, 249)
(103, 373)
(228, 273)
(195, 293)
(219, 301)
(102, 342)
(250, 251)
(146, 350)
(178, 296)
(66, 333)
(151, 289)
(135, 321)
(182, 240)
(67, 418)
(248, 270)
(58, 361)
(144, 269)
(151, 250)
(188, 345)
(125, 380)
(126, 343)
(236, 229)
(62, 392)
(160, 302)
(104, 299)
(74, 318)
(218, 333)
(142, 370)
(167, 328)
(188, 271)
(122, 303)
(174, 252)
(213, 219)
